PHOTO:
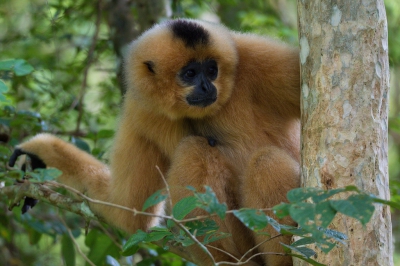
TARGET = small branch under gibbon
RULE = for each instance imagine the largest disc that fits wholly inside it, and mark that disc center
(40, 191)
(43, 192)
(79, 204)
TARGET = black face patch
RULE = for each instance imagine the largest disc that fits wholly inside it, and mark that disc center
(190, 32)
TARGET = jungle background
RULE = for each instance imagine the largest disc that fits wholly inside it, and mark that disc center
(60, 71)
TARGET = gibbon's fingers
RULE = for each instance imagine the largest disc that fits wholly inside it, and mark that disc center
(29, 203)
(36, 161)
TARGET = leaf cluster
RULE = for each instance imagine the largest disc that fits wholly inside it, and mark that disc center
(312, 209)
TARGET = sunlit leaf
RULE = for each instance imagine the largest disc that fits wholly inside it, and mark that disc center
(81, 144)
(358, 206)
(154, 199)
(209, 202)
(301, 194)
(184, 207)
(281, 210)
(253, 219)
(306, 252)
(131, 246)
(22, 68)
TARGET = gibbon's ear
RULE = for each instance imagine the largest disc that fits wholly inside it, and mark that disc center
(29, 203)
(150, 66)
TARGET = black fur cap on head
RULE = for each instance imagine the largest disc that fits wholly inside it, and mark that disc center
(189, 32)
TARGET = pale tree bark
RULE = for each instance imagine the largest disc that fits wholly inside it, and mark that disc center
(345, 80)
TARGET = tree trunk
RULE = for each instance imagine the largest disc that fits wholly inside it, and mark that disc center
(345, 80)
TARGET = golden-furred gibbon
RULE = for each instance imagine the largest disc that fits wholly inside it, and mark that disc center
(209, 107)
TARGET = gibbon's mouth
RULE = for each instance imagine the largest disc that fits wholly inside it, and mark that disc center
(201, 101)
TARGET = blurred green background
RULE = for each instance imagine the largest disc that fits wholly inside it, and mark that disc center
(66, 79)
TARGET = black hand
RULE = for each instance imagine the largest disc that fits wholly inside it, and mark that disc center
(29, 203)
(36, 161)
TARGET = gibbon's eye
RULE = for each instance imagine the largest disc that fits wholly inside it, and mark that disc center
(190, 73)
(212, 71)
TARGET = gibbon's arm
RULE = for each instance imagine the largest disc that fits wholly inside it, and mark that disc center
(271, 70)
(78, 167)
(132, 182)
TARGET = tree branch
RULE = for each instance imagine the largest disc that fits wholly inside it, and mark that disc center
(42, 192)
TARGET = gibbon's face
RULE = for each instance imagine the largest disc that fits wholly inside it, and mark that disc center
(182, 68)
(200, 76)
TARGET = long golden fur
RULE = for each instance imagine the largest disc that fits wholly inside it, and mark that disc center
(255, 122)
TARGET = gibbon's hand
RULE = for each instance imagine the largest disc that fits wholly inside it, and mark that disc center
(36, 163)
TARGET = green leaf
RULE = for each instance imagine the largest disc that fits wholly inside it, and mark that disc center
(34, 236)
(81, 144)
(303, 241)
(306, 252)
(253, 219)
(22, 68)
(358, 206)
(15, 174)
(201, 228)
(42, 175)
(392, 204)
(281, 210)
(101, 247)
(324, 213)
(304, 214)
(105, 134)
(157, 233)
(301, 194)
(131, 246)
(67, 250)
(3, 89)
(291, 230)
(214, 237)
(154, 199)
(329, 193)
(184, 207)
(209, 202)
(7, 64)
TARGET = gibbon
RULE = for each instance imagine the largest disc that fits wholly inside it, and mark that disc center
(209, 107)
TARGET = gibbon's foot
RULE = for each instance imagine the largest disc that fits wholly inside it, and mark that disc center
(211, 141)
(29, 203)
(36, 162)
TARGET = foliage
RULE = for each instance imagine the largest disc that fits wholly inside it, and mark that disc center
(45, 50)
(313, 209)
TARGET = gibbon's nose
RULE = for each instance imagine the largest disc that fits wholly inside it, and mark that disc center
(206, 87)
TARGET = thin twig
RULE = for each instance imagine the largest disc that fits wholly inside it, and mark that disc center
(166, 187)
(250, 258)
(258, 245)
(223, 251)
(110, 236)
(181, 226)
(80, 194)
(75, 243)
